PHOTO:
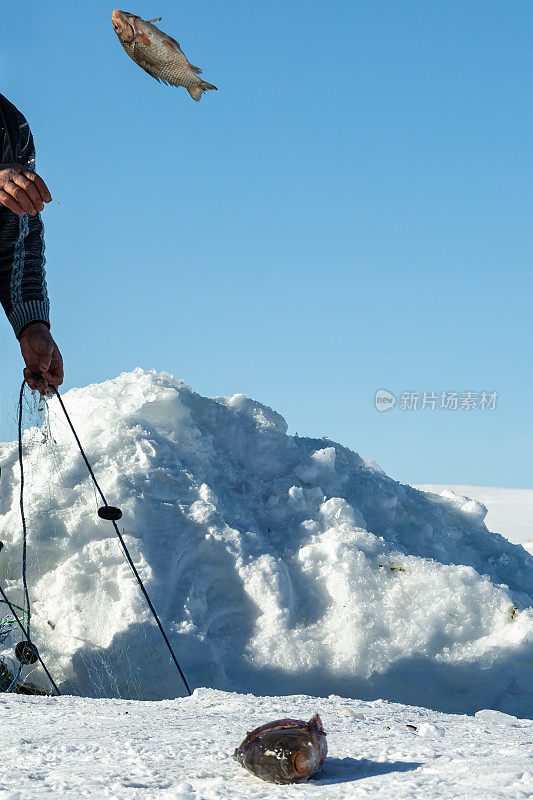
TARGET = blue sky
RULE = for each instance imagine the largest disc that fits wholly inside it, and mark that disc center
(351, 211)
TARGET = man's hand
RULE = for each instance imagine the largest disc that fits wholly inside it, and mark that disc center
(22, 191)
(42, 357)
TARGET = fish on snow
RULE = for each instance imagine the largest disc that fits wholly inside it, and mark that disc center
(284, 751)
(157, 53)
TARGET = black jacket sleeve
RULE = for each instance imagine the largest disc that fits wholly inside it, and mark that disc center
(23, 292)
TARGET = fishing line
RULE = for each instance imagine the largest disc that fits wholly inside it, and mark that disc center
(22, 515)
(113, 514)
(26, 651)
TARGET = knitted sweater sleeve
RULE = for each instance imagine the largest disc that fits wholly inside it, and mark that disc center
(23, 292)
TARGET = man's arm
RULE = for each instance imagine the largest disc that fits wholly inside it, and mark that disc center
(23, 292)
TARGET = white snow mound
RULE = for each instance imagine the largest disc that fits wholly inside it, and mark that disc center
(278, 564)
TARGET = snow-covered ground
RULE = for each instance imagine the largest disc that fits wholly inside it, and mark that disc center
(182, 749)
(279, 564)
(510, 511)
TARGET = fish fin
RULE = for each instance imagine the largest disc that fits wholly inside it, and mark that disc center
(172, 44)
(157, 19)
(197, 70)
(315, 723)
(197, 91)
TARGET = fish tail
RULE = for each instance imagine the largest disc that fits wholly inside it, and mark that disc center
(197, 91)
(315, 723)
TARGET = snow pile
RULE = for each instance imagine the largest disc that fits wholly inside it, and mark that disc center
(510, 511)
(70, 747)
(278, 564)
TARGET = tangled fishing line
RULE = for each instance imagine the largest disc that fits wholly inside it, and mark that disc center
(26, 651)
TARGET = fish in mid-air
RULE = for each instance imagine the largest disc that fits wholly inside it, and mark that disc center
(157, 53)
(285, 751)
